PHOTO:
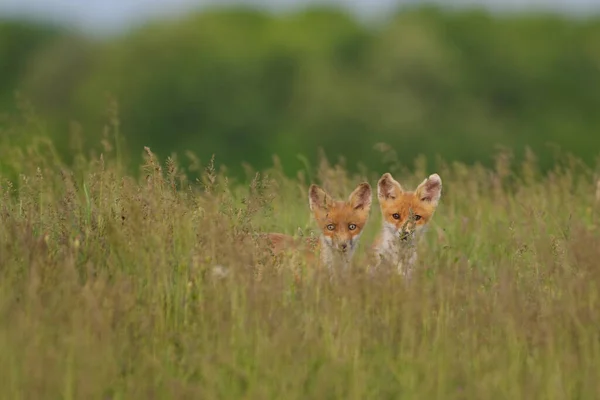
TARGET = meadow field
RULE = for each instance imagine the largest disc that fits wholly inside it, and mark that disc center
(107, 290)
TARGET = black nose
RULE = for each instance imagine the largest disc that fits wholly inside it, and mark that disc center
(344, 245)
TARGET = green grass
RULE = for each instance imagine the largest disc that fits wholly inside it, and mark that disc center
(106, 291)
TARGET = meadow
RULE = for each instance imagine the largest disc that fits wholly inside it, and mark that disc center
(107, 290)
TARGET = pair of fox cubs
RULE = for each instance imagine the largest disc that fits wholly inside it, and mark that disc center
(405, 215)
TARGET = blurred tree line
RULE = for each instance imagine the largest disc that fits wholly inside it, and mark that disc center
(245, 84)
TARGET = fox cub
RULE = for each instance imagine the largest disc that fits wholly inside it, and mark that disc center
(340, 222)
(405, 218)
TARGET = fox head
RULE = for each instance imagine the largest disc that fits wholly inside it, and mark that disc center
(341, 222)
(406, 213)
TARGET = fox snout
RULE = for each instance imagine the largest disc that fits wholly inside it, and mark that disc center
(408, 229)
(405, 235)
(339, 244)
(344, 245)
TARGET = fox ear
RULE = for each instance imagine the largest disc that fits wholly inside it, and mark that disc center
(388, 187)
(361, 197)
(318, 199)
(430, 190)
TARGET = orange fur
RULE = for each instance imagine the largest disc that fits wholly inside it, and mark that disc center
(402, 205)
(340, 222)
(405, 214)
(280, 242)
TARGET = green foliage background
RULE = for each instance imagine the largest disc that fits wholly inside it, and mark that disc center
(245, 84)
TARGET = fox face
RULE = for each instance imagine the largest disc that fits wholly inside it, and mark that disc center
(341, 222)
(406, 213)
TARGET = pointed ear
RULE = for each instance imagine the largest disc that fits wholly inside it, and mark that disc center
(361, 197)
(388, 188)
(430, 190)
(318, 199)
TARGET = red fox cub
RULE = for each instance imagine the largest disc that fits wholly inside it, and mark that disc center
(341, 224)
(405, 218)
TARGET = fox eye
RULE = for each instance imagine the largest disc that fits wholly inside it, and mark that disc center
(396, 216)
(352, 227)
(330, 227)
(417, 217)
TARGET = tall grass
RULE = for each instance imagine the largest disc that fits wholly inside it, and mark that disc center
(107, 291)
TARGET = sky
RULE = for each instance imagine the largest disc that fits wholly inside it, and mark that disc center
(105, 16)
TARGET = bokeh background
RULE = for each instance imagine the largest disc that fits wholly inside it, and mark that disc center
(247, 80)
